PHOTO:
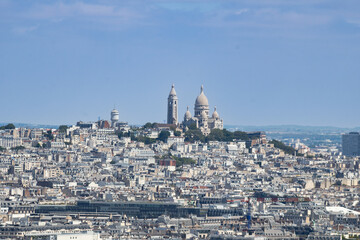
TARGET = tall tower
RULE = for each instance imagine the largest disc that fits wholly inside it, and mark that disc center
(172, 117)
(114, 117)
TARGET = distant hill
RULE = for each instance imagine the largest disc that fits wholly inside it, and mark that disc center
(30, 125)
(293, 129)
(312, 136)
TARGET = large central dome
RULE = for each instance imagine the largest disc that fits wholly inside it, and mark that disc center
(201, 100)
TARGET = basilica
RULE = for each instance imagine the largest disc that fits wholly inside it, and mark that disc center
(201, 118)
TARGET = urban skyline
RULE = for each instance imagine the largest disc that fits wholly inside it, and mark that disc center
(107, 180)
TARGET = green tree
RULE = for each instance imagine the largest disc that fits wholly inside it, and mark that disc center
(216, 135)
(145, 140)
(49, 135)
(120, 134)
(17, 148)
(193, 135)
(239, 135)
(2, 149)
(132, 136)
(192, 126)
(149, 140)
(164, 135)
(123, 134)
(183, 161)
(149, 125)
(8, 126)
(226, 136)
(38, 145)
(177, 133)
(282, 146)
(221, 135)
(63, 128)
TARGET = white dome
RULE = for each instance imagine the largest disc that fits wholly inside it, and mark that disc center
(187, 114)
(215, 114)
(201, 100)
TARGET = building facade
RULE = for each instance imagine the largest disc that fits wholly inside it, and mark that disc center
(351, 144)
(201, 118)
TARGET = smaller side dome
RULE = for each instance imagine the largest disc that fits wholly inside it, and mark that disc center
(187, 114)
(215, 114)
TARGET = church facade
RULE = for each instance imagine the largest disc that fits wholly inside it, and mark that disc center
(201, 118)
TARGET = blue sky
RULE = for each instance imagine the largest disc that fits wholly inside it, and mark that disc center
(262, 62)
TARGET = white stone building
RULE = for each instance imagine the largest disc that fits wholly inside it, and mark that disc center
(201, 117)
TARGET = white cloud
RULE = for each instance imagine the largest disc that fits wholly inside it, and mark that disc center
(354, 22)
(80, 9)
(279, 17)
(268, 18)
(24, 30)
(241, 11)
(254, 14)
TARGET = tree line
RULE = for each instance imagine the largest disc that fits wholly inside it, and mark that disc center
(221, 135)
(280, 145)
(8, 126)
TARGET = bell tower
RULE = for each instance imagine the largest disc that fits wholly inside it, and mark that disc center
(172, 116)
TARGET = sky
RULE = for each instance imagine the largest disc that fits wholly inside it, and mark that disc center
(262, 62)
